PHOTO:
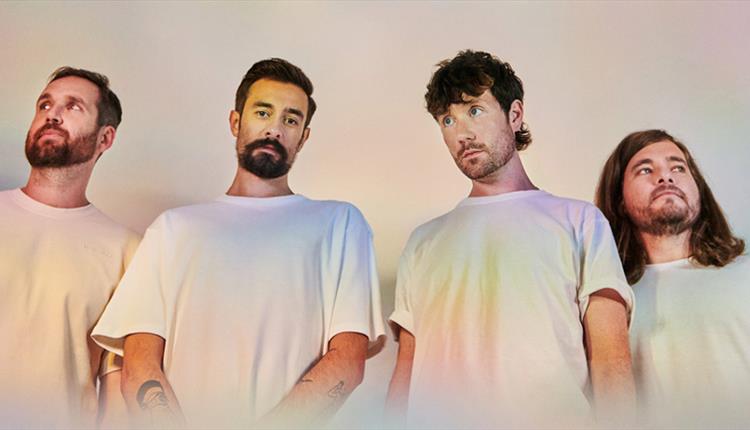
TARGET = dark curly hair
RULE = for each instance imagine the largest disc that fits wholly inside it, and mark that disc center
(472, 73)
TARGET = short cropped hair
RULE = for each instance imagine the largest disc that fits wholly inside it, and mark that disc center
(711, 239)
(108, 105)
(472, 73)
(276, 69)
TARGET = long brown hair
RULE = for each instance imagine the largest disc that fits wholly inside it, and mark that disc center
(711, 239)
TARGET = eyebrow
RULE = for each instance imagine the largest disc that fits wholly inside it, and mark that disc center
(47, 96)
(641, 163)
(292, 111)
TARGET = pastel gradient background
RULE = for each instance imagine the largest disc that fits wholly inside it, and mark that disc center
(593, 72)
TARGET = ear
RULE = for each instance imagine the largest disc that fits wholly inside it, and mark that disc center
(305, 135)
(234, 122)
(515, 115)
(105, 138)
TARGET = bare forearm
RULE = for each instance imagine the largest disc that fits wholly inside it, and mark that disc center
(397, 402)
(610, 367)
(149, 398)
(614, 393)
(323, 389)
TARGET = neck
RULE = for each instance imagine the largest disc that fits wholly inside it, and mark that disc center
(507, 179)
(59, 187)
(663, 249)
(246, 184)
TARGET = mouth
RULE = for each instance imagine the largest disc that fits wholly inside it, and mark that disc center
(268, 149)
(50, 131)
(668, 192)
(470, 153)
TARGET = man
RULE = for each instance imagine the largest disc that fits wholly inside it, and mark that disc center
(60, 259)
(255, 309)
(512, 306)
(691, 330)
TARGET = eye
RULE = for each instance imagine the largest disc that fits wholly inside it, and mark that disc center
(448, 121)
(475, 111)
(291, 121)
(44, 106)
(679, 168)
(262, 114)
(75, 107)
(644, 171)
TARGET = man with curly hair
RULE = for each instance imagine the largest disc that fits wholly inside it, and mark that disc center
(512, 309)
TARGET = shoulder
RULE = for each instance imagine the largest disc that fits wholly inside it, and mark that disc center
(114, 229)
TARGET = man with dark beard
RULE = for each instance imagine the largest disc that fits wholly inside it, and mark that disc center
(691, 329)
(512, 307)
(257, 309)
(60, 260)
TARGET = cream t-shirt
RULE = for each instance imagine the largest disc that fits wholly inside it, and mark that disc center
(247, 292)
(58, 268)
(495, 292)
(690, 342)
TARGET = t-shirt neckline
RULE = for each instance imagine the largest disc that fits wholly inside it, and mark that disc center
(261, 201)
(681, 263)
(26, 202)
(470, 201)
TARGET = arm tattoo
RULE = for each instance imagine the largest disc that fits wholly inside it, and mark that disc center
(337, 390)
(151, 397)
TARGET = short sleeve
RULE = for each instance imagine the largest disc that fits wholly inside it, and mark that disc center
(402, 317)
(601, 266)
(137, 306)
(356, 306)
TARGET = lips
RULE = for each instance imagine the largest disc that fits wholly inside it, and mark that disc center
(666, 191)
(470, 151)
(50, 130)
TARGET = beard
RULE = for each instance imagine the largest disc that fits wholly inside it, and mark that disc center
(478, 168)
(66, 153)
(669, 219)
(263, 164)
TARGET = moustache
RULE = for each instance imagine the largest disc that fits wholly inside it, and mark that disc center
(471, 147)
(666, 188)
(50, 126)
(265, 143)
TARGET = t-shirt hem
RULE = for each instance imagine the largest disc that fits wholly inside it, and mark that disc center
(113, 340)
(375, 337)
(625, 292)
(400, 320)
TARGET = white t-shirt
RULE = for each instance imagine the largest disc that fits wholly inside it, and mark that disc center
(247, 292)
(690, 342)
(495, 292)
(58, 268)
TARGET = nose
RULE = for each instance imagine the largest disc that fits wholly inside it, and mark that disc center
(54, 115)
(465, 132)
(273, 131)
(665, 176)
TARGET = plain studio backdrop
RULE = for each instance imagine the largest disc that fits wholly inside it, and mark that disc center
(592, 72)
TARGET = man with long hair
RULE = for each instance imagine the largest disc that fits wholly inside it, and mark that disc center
(60, 260)
(691, 330)
(511, 310)
(256, 309)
